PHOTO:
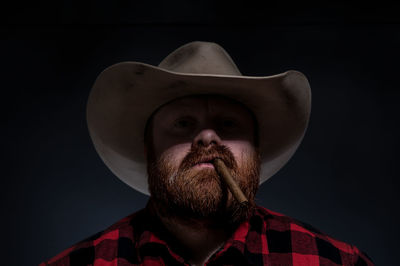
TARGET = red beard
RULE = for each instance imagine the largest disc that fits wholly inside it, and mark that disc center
(192, 193)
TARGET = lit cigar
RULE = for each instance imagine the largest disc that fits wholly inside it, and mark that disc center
(223, 171)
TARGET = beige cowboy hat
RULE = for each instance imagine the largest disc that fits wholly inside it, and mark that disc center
(126, 94)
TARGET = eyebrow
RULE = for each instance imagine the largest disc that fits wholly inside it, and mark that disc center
(181, 110)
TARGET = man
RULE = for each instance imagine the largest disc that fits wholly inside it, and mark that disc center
(176, 120)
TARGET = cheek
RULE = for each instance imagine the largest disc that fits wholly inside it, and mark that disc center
(241, 150)
(176, 153)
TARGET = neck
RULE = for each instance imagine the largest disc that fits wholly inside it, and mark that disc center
(199, 239)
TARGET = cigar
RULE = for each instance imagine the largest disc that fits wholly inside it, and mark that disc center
(223, 171)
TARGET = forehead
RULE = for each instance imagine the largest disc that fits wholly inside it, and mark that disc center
(211, 104)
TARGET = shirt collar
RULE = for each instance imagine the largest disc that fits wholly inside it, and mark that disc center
(153, 233)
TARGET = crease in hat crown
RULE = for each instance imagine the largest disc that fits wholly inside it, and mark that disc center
(200, 58)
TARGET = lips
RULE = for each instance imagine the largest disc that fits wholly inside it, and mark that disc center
(206, 160)
(204, 157)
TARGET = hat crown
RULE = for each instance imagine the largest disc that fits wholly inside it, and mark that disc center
(200, 58)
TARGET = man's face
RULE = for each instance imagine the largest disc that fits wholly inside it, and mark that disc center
(186, 135)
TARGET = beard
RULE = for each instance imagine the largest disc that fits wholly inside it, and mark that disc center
(193, 193)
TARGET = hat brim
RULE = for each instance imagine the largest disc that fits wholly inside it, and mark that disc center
(126, 94)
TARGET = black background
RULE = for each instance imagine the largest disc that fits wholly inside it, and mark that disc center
(343, 179)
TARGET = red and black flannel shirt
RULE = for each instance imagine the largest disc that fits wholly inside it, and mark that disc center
(267, 238)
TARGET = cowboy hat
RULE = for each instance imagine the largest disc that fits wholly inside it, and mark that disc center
(126, 94)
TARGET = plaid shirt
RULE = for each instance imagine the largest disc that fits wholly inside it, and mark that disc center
(267, 238)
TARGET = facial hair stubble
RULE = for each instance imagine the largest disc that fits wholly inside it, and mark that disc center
(191, 192)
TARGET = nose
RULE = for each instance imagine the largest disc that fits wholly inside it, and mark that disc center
(206, 137)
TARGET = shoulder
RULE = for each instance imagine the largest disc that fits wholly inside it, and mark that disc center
(105, 245)
(288, 235)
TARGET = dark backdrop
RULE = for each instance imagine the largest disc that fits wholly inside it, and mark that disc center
(56, 190)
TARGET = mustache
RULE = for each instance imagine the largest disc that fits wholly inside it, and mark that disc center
(199, 154)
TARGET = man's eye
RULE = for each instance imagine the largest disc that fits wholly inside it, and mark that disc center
(228, 123)
(183, 123)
